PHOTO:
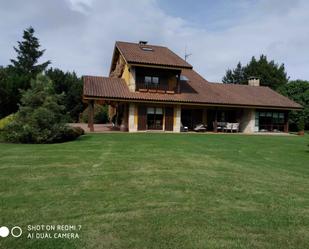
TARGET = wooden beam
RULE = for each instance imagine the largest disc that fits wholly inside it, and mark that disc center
(91, 115)
(216, 121)
(286, 122)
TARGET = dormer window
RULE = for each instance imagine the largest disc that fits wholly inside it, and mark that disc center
(146, 48)
(151, 81)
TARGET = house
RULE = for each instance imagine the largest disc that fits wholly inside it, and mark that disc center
(151, 88)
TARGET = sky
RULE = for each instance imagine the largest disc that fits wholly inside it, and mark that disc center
(80, 35)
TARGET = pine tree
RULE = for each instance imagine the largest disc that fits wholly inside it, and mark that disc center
(235, 76)
(28, 54)
(22, 70)
(41, 117)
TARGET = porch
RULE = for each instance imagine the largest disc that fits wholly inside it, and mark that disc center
(134, 117)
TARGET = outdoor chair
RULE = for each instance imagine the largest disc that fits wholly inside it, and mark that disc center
(184, 128)
(220, 126)
(228, 127)
(200, 128)
(235, 127)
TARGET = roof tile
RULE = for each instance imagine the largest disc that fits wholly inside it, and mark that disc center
(154, 55)
(197, 90)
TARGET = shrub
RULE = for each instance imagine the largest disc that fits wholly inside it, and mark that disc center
(301, 124)
(40, 118)
(6, 120)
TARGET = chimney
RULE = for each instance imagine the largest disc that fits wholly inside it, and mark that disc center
(253, 81)
(142, 42)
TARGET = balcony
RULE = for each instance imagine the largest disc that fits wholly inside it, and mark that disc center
(154, 88)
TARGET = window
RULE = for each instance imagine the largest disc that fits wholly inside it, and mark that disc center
(183, 78)
(150, 110)
(154, 118)
(151, 81)
(257, 121)
(146, 48)
(155, 80)
(269, 121)
(147, 80)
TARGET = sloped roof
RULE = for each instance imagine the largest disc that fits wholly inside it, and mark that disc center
(196, 91)
(152, 55)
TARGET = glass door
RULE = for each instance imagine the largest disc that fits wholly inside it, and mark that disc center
(154, 118)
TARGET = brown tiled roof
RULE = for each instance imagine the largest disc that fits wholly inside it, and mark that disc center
(160, 56)
(197, 90)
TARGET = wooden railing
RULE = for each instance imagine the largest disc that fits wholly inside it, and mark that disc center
(142, 87)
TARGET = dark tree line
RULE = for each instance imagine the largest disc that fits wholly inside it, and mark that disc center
(270, 73)
(17, 77)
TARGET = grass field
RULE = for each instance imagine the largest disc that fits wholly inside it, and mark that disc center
(160, 191)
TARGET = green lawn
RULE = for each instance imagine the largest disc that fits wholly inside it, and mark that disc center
(160, 191)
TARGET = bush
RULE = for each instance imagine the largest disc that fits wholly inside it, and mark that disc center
(301, 124)
(6, 120)
(100, 114)
(40, 118)
(71, 133)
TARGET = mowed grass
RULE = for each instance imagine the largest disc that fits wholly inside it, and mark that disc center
(160, 191)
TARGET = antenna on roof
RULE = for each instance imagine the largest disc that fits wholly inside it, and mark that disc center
(142, 42)
(186, 55)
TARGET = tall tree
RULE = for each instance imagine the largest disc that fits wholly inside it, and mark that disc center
(24, 68)
(28, 53)
(235, 76)
(270, 73)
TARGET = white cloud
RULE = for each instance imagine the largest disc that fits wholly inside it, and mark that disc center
(80, 34)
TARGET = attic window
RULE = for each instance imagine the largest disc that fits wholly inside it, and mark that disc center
(146, 48)
(183, 78)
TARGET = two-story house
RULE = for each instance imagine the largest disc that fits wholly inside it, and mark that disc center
(152, 88)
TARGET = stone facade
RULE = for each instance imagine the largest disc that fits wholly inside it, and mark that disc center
(177, 118)
(132, 118)
(247, 123)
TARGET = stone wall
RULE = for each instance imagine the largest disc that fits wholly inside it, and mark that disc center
(177, 118)
(132, 117)
(247, 122)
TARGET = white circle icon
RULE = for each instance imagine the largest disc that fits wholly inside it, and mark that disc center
(16, 231)
(4, 232)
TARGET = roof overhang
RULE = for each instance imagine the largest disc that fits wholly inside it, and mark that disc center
(85, 98)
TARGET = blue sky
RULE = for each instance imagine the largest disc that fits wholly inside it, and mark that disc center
(80, 34)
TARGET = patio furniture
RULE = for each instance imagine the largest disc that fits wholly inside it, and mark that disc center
(228, 127)
(183, 128)
(200, 128)
(220, 125)
(235, 127)
(231, 127)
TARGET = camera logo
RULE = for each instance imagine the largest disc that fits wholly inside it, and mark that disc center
(15, 231)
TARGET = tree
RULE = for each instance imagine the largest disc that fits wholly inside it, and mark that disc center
(41, 117)
(19, 74)
(28, 54)
(69, 84)
(270, 73)
(234, 76)
(298, 90)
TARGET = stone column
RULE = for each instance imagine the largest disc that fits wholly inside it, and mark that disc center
(177, 118)
(247, 123)
(132, 119)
